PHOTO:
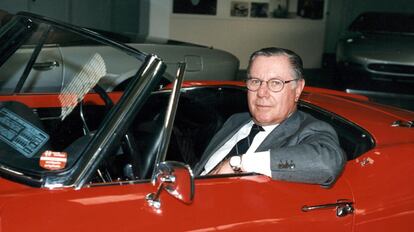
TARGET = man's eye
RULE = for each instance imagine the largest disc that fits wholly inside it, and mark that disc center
(275, 83)
(255, 82)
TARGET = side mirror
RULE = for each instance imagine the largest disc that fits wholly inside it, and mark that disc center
(177, 179)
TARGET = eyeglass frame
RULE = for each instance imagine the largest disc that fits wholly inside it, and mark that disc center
(267, 85)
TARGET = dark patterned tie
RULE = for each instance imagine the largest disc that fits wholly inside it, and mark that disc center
(243, 145)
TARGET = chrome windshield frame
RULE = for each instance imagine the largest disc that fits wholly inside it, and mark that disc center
(114, 127)
(143, 82)
(169, 120)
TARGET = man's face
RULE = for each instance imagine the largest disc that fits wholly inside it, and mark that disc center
(267, 107)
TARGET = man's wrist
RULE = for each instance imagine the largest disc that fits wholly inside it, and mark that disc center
(258, 162)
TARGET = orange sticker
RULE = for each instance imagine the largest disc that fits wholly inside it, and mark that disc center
(53, 160)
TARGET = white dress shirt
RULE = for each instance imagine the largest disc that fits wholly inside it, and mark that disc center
(258, 162)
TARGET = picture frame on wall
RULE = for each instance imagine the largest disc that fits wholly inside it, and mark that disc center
(203, 7)
(279, 8)
(239, 9)
(312, 9)
(259, 10)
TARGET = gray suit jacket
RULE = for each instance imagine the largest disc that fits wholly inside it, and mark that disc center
(302, 148)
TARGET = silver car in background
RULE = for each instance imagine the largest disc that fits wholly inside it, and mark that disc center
(378, 46)
(62, 58)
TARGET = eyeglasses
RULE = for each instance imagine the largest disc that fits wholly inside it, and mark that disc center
(274, 85)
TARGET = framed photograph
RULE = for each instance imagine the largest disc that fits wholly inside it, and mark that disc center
(310, 9)
(259, 10)
(204, 7)
(239, 9)
(279, 8)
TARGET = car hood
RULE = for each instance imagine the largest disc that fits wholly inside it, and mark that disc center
(390, 48)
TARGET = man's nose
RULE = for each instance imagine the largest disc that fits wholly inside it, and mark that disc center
(263, 90)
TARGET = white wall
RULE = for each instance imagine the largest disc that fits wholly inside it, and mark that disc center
(242, 36)
(159, 18)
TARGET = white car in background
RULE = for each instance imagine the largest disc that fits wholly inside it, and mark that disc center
(63, 56)
(378, 46)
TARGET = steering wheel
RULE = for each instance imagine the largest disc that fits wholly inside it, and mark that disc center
(128, 144)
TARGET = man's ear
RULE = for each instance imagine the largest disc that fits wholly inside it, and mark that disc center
(299, 87)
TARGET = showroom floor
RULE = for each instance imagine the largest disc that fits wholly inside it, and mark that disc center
(395, 94)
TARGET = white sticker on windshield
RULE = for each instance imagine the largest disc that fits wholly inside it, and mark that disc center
(20, 134)
(80, 85)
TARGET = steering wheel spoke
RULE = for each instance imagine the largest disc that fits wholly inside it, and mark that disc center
(128, 145)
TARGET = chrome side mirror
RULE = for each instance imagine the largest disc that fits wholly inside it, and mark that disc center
(177, 179)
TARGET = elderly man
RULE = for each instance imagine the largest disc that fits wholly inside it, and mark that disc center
(275, 139)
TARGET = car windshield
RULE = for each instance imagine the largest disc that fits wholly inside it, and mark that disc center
(56, 97)
(381, 22)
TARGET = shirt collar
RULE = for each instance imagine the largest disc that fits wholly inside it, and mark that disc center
(270, 127)
(267, 128)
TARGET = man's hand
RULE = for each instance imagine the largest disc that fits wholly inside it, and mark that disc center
(222, 168)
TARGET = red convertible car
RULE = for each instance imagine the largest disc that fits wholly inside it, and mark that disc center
(84, 159)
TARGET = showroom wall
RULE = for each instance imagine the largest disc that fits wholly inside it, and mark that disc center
(311, 38)
(243, 35)
(130, 16)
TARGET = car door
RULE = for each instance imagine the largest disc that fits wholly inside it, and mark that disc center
(228, 203)
(380, 180)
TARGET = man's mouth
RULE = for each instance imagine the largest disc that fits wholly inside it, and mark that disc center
(262, 106)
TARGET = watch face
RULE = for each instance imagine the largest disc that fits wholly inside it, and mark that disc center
(235, 162)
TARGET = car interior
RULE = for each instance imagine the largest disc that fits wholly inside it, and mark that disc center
(200, 114)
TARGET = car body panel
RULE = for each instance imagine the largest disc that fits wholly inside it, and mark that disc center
(128, 210)
(384, 197)
(379, 49)
(274, 204)
(202, 63)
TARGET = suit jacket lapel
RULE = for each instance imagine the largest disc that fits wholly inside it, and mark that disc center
(278, 137)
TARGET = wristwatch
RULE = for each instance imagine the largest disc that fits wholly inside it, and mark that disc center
(236, 163)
